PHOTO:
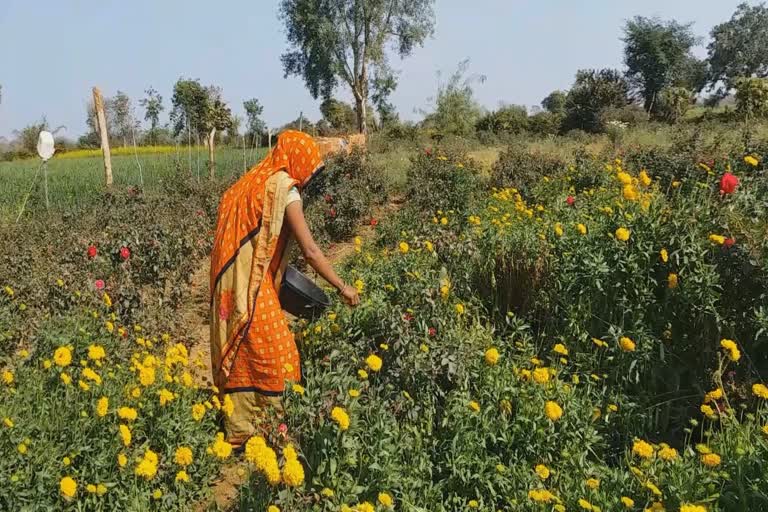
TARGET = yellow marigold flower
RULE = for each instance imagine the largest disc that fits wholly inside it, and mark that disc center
(92, 375)
(83, 385)
(96, 352)
(62, 356)
(326, 492)
(765, 429)
(460, 309)
(273, 508)
(68, 487)
(146, 375)
(667, 453)
(581, 228)
(715, 394)
(444, 221)
(626, 344)
(362, 374)
(492, 356)
(8, 291)
(664, 255)
(182, 476)
(228, 406)
(624, 178)
(708, 411)
(733, 350)
(147, 466)
(47, 364)
(751, 160)
(540, 496)
(122, 460)
(298, 389)
(403, 247)
(687, 507)
(644, 178)
(593, 483)
(541, 375)
(474, 406)
(22, 448)
(717, 239)
(340, 416)
(652, 487)
(8, 378)
(424, 348)
(471, 504)
(165, 396)
(385, 500)
(354, 393)
(710, 460)
(553, 411)
(8, 422)
(629, 192)
(198, 411)
(157, 494)
(584, 504)
(183, 456)
(429, 246)
(127, 413)
(107, 300)
(91, 488)
(613, 407)
(542, 471)
(373, 362)
(293, 472)
(559, 348)
(558, 229)
(221, 448)
(125, 435)
(760, 390)
(627, 502)
(642, 449)
(672, 281)
(622, 234)
(102, 405)
(599, 342)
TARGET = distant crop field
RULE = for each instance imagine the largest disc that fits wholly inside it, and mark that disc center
(76, 180)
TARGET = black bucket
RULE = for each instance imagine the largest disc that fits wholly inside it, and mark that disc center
(301, 297)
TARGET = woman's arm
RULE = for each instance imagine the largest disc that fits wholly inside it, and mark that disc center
(294, 215)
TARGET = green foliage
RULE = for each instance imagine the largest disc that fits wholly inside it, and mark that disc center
(739, 47)
(254, 125)
(339, 115)
(592, 92)
(555, 102)
(673, 103)
(343, 41)
(198, 109)
(153, 106)
(456, 111)
(521, 169)
(545, 123)
(752, 98)
(26, 138)
(657, 54)
(125, 124)
(508, 119)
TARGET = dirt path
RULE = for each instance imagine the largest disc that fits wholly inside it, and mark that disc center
(196, 324)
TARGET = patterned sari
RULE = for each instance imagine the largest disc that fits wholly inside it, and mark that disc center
(252, 348)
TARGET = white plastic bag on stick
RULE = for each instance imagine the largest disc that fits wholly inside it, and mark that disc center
(45, 145)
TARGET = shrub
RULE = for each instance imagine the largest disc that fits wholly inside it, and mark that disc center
(752, 98)
(592, 93)
(519, 168)
(508, 119)
(545, 123)
(673, 103)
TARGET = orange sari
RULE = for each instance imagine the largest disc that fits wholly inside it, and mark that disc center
(252, 348)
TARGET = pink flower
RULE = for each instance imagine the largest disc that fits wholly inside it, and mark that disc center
(332, 212)
(99, 284)
(282, 428)
(570, 200)
(125, 253)
(92, 251)
(328, 198)
(728, 183)
(432, 331)
(374, 222)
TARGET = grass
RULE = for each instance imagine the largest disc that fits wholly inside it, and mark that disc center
(74, 182)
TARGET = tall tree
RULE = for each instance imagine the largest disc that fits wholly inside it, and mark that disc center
(153, 105)
(657, 54)
(456, 110)
(739, 47)
(339, 115)
(333, 41)
(255, 126)
(554, 102)
(124, 120)
(592, 93)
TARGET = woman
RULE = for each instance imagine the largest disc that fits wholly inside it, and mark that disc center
(253, 353)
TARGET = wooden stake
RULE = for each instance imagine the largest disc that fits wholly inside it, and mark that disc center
(98, 104)
(212, 153)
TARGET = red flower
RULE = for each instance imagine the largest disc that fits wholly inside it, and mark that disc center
(332, 212)
(374, 222)
(92, 251)
(328, 198)
(283, 428)
(428, 151)
(729, 242)
(99, 284)
(125, 253)
(407, 317)
(432, 331)
(570, 200)
(728, 183)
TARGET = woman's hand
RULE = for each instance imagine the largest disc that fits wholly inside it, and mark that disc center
(350, 295)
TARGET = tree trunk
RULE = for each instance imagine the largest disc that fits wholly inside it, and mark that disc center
(211, 153)
(98, 104)
(362, 115)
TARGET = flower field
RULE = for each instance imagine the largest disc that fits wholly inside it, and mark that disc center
(580, 336)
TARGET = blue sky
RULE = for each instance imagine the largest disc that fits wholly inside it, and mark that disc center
(53, 52)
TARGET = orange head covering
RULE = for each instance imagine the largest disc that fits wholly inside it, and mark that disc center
(241, 207)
